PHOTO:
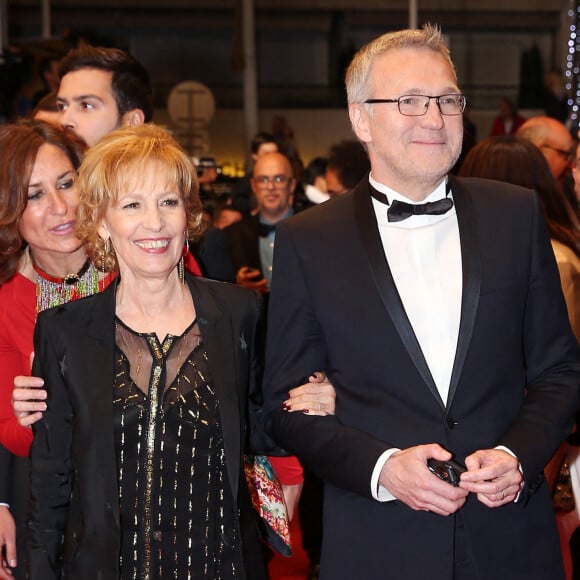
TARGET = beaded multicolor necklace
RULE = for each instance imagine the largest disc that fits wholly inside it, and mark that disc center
(53, 291)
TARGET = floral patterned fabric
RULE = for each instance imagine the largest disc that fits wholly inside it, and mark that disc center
(268, 501)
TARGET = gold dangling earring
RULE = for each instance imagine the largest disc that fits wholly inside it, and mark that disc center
(181, 265)
(104, 253)
(181, 271)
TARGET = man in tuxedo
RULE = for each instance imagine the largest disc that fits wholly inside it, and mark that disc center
(434, 305)
(251, 240)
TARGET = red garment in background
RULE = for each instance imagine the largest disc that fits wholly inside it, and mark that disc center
(498, 127)
(288, 469)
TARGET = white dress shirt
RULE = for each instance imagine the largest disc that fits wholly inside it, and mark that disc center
(424, 256)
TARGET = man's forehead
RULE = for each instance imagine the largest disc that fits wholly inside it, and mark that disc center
(272, 166)
(86, 82)
(406, 65)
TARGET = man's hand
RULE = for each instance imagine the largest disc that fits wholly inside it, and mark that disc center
(7, 543)
(28, 399)
(406, 476)
(494, 475)
(252, 279)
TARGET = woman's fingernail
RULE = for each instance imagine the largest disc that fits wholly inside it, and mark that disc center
(306, 411)
(284, 406)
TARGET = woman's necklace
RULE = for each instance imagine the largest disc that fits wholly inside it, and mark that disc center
(53, 291)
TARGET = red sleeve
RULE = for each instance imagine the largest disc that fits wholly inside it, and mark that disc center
(15, 438)
(288, 469)
(17, 319)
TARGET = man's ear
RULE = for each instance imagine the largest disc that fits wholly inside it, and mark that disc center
(359, 119)
(133, 118)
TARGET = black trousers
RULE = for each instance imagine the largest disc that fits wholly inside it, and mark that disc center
(14, 490)
(310, 515)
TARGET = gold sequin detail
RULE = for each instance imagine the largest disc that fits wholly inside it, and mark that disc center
(173, 485)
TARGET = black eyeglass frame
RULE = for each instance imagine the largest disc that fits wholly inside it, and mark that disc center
(276, 180)
(462, 103)
(567, 155)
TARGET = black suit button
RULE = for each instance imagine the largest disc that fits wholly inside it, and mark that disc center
(450, 423)
(157, 535)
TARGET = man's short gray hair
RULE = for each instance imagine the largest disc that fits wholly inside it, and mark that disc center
(357, 74)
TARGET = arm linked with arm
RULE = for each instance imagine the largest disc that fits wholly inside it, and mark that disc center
(296, 348)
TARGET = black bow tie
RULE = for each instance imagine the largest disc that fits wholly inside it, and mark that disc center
(399, 210)
(266, 229)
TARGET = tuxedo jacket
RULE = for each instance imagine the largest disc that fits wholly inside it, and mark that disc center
(515, 381)
(244, 243)
(74, 529)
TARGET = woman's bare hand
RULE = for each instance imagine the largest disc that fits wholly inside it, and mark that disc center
(316, 397)
(28, 399)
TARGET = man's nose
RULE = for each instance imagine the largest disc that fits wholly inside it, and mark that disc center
(433, 115)
(66, 119)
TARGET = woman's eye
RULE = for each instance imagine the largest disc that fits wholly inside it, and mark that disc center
(66, 184)
(32, 195)
(171, 202)
(131, 205)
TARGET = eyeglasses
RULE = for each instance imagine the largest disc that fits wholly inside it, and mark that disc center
(417, 105)
(567, 155)
(277, 180)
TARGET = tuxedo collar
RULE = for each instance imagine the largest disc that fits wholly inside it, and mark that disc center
(366, 221)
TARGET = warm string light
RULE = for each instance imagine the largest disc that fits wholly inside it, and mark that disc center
(572, 72)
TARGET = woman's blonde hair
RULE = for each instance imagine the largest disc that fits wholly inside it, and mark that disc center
(115, 164)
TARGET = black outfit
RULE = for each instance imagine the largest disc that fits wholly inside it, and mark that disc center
(515, 382)
(170, 461)
(14, 491)
(244, 243)
(212, 255)
(85, 446)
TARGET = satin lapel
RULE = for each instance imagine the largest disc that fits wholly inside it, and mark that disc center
(99, 388)
(471, 267)
(369, 234)
(217, 333)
